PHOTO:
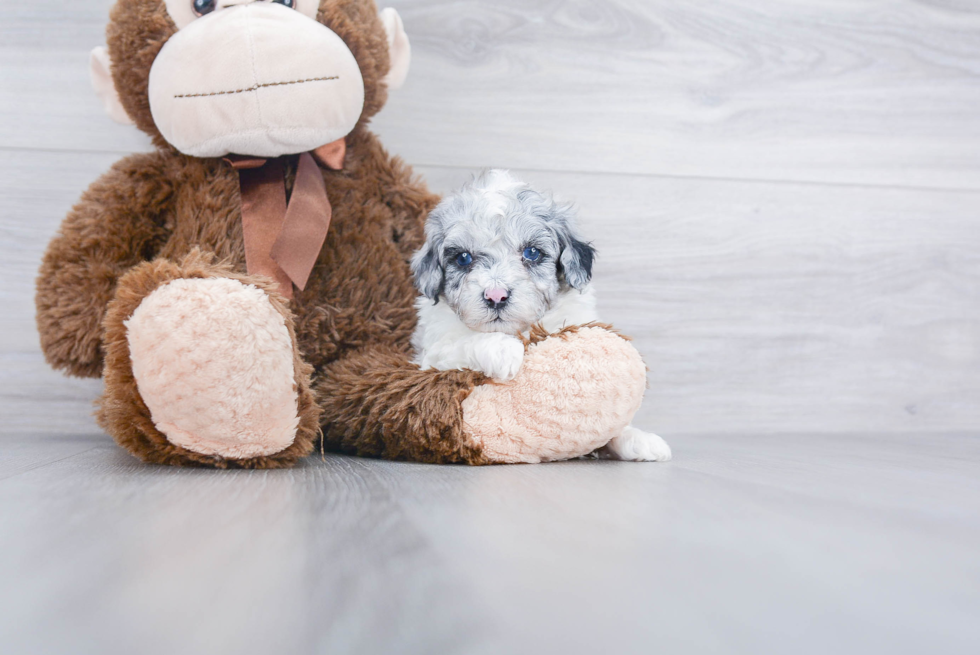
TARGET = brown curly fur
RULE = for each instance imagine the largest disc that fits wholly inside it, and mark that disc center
(374, 400)
(352, 323)
(538, 333)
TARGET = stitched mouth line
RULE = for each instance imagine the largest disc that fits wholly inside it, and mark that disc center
(256, 87)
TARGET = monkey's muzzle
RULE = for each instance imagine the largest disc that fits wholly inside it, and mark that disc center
(258, 79)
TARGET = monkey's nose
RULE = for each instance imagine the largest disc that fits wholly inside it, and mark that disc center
(495, 298)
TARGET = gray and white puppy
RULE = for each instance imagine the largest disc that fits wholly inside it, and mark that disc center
(500, 254)
(498, 258)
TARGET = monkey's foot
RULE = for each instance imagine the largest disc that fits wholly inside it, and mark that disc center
(574, 392)
(213, 361)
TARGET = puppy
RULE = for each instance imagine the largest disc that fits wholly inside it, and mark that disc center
(498, 258)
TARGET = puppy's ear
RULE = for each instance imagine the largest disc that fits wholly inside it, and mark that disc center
(575, 261)
(428, 272)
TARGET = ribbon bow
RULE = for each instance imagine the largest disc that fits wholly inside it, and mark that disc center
(283, 241)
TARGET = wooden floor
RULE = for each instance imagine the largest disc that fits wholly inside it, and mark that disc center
(786, 201)
(781, 544)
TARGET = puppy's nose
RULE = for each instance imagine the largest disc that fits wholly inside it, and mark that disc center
(496, 298)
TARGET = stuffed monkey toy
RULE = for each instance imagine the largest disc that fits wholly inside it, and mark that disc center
(244, 290)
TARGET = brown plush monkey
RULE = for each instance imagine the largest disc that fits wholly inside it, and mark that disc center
(246, 286)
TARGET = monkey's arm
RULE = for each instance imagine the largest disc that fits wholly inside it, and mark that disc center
(578, 389)
(118, 223)
(378, 404)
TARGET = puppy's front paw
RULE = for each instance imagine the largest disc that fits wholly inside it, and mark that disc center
(637, 446)
(499, 355)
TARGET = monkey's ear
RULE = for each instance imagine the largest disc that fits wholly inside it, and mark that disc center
(399, 49)
(99, 66)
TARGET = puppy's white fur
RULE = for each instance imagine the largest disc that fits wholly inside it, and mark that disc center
(442, 341)
(495, 217)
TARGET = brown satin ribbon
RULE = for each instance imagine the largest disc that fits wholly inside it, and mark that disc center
(283, 241)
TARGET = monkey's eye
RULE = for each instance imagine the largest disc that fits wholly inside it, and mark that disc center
(464, 259)
(285, 3)
(532, 254)
(202, 7)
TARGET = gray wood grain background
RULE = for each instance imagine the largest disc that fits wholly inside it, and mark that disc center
(786, 201)
(785, 196)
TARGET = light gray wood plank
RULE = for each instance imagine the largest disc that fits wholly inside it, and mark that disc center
(869, 92)
(861, 91)
(758, 307)
(855, 92)
(39, 401)
(26, 451)
(316, 560)
(804, 544)
(46, 100)
(37, 189)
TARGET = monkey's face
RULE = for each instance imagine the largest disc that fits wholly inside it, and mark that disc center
(256, 78)
(260, 77)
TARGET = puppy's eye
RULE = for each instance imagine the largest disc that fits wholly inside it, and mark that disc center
(464, 259)
(286, 3)
(202, 7)
(532, 254)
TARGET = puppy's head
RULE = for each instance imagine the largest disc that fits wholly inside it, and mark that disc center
(499, 253)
